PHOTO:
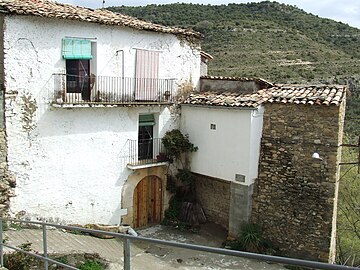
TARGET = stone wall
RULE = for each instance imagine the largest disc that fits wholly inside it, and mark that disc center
(214, 196)
(6, 181)
(295, 196)
(238, 86)
(5, 189)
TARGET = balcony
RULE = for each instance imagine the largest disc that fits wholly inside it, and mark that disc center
(105, 90)
(146, 153)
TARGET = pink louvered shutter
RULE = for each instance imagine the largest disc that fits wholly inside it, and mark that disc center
(146, 75)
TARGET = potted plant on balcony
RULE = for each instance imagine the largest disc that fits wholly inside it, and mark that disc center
(161, 157)
(59, 96)
(167, 95)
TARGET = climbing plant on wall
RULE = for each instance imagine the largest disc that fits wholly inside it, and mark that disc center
(177, 144)
(181, 183)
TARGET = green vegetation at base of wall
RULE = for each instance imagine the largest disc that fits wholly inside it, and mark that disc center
(20, 261)
(251, 239)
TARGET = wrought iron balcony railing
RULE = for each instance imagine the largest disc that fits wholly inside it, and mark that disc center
(71, 89)
(146, 151)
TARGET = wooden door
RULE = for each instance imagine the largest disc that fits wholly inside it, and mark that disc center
(147, 202)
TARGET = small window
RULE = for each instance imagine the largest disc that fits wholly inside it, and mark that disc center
(213, 126)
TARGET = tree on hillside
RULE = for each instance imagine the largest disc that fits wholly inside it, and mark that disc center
(348, 230)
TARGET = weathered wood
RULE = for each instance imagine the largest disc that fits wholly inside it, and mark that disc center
(192, 213)
(147, 201)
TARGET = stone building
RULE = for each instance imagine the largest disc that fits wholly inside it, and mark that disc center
(290, 194)
(86, 96)
(295, 197)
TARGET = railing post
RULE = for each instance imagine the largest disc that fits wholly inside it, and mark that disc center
(1, 244)
(126, 254)
(46, 263)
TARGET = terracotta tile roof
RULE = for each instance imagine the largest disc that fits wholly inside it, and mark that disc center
(294, 94)
(243, 79)
(312, 95)
(50, 9)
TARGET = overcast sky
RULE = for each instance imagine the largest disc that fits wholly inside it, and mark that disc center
(346, 11)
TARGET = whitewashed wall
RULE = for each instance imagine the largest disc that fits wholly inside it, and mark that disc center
(70, 164)
(233, 148)
(33, 46)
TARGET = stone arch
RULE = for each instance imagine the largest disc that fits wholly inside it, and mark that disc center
(130, 185)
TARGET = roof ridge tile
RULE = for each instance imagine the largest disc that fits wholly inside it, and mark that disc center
(288, 94)
(47, 8)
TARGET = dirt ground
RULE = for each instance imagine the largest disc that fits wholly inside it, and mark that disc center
(175, 258)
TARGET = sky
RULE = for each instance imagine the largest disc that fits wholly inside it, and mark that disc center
(346, 11)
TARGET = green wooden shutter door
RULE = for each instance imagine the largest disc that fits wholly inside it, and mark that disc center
(146, 120)
(74, 48)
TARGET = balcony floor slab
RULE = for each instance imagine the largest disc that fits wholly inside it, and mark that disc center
(147, 165)
(107, 105)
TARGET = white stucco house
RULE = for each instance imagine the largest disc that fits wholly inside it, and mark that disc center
(225, 119)
(255, 161)
(87, 97)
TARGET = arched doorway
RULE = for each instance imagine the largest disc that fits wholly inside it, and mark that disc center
(147, 201)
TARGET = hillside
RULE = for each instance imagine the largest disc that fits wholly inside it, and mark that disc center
(277, 42)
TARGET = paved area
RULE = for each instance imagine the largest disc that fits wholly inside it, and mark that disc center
(143, 255)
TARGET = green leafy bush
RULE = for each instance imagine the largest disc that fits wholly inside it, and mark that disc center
(172, 212)
(92, 265)
(251, 239)
(185, 176)
(348, 229)
(176, 144)
(18, 260)
(182, 185)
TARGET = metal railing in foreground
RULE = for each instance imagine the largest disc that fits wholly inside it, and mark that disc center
(127, 242)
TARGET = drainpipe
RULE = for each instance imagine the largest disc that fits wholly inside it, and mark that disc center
(122, 66)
